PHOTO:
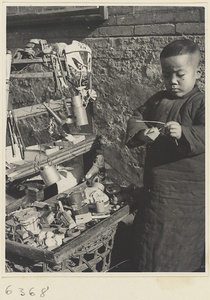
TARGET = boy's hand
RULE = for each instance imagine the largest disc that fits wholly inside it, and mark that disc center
(174, 129)
(148, 135)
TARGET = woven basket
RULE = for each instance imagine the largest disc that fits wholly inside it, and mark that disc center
(89, 252)
(94, 256)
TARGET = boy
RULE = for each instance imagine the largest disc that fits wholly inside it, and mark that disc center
(170, 224)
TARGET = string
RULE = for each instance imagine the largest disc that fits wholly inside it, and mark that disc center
(145, 121)
(117, 265)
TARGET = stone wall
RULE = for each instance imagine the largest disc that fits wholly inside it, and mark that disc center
(126, 68)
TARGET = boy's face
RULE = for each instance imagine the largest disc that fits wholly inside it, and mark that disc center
(180, 73)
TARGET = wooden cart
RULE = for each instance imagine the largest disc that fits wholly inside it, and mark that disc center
(91, 250)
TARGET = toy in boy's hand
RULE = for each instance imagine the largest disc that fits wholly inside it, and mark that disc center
(152, 133)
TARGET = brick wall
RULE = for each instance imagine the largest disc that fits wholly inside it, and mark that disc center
(126, 67)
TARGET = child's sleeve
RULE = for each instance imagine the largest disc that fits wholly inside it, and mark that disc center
(193, 137)
(134, 126)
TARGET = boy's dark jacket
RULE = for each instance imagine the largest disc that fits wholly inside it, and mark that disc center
(169, 227)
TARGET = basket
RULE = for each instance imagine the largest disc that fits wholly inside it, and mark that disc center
(94, 256)
(89, 252)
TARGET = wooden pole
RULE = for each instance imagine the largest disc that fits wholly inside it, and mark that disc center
(8, 71)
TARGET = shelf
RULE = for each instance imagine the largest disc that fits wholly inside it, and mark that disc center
(27, 168)
(33, 61)
(38, 109)
(33, 75)
(22, 169)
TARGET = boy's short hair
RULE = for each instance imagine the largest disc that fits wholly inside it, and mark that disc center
(180, 47)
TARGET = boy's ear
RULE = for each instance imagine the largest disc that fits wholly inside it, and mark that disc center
(198, 72)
